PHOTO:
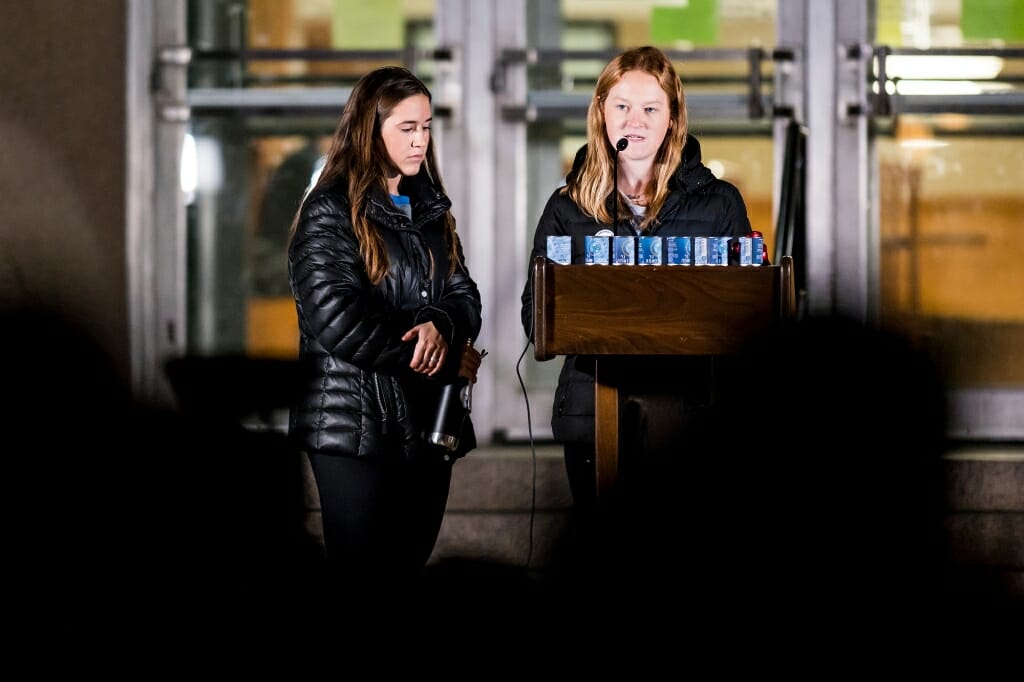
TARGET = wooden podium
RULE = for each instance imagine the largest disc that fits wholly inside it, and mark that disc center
(610, 311)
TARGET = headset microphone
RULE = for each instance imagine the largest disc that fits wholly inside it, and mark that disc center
(619, 146)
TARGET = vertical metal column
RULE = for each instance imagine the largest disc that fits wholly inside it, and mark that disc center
(838, 225)
(856, 248)
(157, 114)
(470, 141)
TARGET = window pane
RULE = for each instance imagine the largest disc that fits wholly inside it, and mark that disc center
(951, 259)
(259, 126)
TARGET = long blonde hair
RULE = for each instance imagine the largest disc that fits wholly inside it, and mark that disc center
(359, 157)
(590, 187)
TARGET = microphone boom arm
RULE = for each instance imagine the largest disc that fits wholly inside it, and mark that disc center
(619, 146)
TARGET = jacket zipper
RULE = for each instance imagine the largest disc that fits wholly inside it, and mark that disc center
(382, 403)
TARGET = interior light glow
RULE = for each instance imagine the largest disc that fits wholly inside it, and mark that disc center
(925, 87)
(209, 165)
(922, 143)
(937, 88)
(188, 165)
(202, 168)
(963, 67)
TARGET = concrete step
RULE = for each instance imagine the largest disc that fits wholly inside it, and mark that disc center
(510, 506)
(507, 505)
(984, 520)
(494, 516)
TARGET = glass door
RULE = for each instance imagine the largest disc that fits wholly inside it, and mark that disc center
(912, 111)
(266, 84)
(948, 100)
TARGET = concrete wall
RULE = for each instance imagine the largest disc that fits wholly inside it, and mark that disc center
(62, 163)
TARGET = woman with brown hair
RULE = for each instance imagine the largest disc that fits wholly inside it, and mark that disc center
(387, 310)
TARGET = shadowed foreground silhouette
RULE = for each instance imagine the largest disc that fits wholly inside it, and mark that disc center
(810, 507)
(809, 510)
(123, 520)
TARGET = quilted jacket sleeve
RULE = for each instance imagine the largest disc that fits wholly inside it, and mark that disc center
(457, 313)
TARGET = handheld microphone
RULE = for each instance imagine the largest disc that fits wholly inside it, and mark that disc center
(619, 146)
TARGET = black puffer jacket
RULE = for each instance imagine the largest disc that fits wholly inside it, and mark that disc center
(357, 394)
(700, 204)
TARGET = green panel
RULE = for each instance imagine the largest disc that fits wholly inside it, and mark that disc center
(367, 25)
(696, 23)
(889, 15)
(992, 20)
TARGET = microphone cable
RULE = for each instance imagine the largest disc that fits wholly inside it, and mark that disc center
(533, 450)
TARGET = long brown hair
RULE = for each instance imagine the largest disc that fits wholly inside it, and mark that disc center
(591, 186)
(359, 157)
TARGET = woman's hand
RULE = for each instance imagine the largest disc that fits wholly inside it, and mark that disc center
(431, 348)
(469, 364)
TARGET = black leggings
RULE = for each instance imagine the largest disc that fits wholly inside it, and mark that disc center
(380, 518)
